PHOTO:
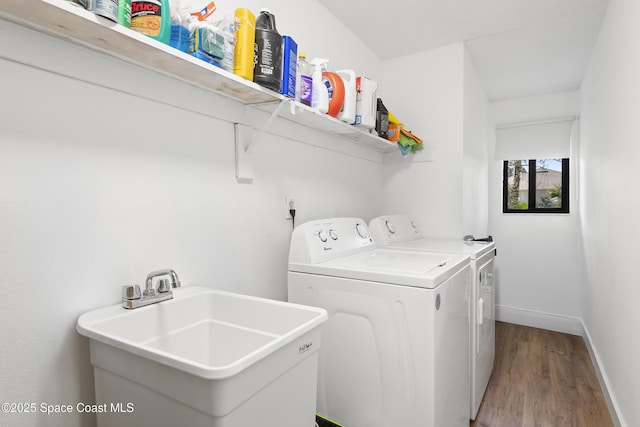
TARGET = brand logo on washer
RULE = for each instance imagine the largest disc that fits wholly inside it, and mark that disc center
(437, 301)
(305, 347)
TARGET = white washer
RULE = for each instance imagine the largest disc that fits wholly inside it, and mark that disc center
(395, 347)
(401, 232)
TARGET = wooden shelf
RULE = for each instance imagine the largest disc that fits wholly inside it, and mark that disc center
(62, 19)
(65, 20)
(332, 126)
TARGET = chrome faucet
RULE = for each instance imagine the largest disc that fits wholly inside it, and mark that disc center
(133, 298)
(162, 286)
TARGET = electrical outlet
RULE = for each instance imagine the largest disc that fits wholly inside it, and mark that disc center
(290, 203)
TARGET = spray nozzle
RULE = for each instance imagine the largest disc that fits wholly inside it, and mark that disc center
(320, 63)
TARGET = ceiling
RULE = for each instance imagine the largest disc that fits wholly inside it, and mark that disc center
(519, 47)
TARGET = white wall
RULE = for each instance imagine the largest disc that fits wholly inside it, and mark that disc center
(548, 297)
(425, 91)
(475, 164)
(99, 186)
(439, 96)
(609, 202)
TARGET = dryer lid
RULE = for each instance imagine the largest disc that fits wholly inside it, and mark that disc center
(401, 231)
(474, 249)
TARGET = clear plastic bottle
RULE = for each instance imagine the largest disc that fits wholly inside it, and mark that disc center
(303, 80)
(180, 23)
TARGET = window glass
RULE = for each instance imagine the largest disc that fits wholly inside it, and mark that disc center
(518, 184)
(549, 183)
(536, 186)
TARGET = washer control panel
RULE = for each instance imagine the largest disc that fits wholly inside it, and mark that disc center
(323, 240)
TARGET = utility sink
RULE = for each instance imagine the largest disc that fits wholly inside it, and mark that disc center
(206, 357)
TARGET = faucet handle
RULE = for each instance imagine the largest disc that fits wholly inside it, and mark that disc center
(163, 286)
(131, 292)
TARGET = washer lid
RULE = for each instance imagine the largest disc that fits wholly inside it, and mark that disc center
(398, 267)
(474, 249)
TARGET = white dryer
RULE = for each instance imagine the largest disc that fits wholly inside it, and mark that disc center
(395, 347)
(401, 232)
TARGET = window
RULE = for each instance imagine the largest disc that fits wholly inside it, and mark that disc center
(536, 186)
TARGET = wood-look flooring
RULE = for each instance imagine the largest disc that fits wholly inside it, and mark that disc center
(541, 378)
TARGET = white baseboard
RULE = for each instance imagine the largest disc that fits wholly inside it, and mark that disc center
(568, 325)
(612, 403)
(539, 319)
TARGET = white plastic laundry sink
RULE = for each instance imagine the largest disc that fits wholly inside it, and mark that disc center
(224, 354)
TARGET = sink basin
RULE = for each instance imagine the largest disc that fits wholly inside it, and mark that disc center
(206, 357)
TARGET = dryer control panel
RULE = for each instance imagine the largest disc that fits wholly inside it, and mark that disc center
(390, 229)
(327, 239)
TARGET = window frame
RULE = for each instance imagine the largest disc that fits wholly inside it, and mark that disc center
(564, 209)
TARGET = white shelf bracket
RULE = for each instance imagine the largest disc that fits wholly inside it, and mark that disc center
(245, 140)
(244, 163)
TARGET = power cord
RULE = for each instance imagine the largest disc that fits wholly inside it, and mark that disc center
(292, 212)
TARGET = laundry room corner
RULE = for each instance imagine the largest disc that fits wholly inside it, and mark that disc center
(546, 293)
(429, 188)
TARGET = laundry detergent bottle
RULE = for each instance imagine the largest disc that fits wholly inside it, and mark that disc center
(267, 71)
(152, 18)
(348, 112)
